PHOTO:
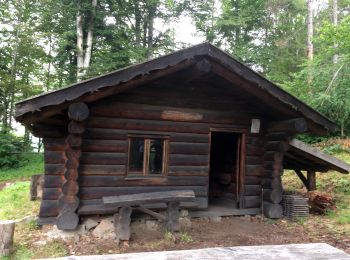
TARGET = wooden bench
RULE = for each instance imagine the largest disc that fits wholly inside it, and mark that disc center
(127, 203)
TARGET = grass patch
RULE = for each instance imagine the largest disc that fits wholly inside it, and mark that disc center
(34, 165)
(15, 203)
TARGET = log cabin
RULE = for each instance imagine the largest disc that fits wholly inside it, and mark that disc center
(196, 119)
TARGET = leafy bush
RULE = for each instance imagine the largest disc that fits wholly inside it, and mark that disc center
(11, 148)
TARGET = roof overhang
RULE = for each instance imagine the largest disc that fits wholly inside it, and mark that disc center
(43, 106)
(301, 156)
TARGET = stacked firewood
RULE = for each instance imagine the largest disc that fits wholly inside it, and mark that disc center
(320, 203)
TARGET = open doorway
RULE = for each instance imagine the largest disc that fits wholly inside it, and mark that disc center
(225, 164)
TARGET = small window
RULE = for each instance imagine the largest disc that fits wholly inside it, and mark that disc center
(147, 156)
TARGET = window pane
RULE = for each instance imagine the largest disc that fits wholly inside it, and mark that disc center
(155, 156)
(136, 155)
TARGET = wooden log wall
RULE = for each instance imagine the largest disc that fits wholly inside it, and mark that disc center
(187, 123)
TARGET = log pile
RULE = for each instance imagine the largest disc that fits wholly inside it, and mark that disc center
(321, 203)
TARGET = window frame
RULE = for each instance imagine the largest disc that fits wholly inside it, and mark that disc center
(146, 155)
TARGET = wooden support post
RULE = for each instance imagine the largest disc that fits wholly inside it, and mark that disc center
(69, 202)
(303, 178)
(7, 229)
(311, 180)
(173, 215)
(122, 224)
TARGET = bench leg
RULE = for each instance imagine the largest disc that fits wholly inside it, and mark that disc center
(173, 214)
(122, 224)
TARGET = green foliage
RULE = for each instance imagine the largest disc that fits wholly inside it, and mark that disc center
(15, 203)
(185, 238)
(11, 148)
(34, 165)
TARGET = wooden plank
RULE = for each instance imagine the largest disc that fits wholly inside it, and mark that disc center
(309, 251)
(334, 163)
(149, 198)
(123, 181)
(188, 148)
(254, 170)
(96, 206)
(188, 159)
(87, 193)
(254, 160)
(51, 193)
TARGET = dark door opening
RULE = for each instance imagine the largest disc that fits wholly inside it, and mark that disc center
(224, 168)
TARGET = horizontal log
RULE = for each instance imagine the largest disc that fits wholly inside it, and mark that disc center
(188, 170)
(70, 188)
(48, 208)
(102, 170)
(149, 198)
(108, 146)
(273, 156)
(188, 159)
(277, 146)
(272, 183)
(116, 134)
(188, 148)
(53, 181)
(54, 169)
(252, 190)
(68, 203)
(149, 112)
(78, 112)
(88, 193)
(273, 173)
(67, 221)
(257, 141)
(76, 127)
(55, 157)
(255, 160)
(74, 140)
(54, 144)
(89, 207)
(103, 158)
(254, 170)
(252, 202)
(40, 130)
(252, 180)
(297, 125)
(273, 211)
(51, 193)
(122, 181)
(277, 136)
(147, 125)
(273, 196)
(254, 150)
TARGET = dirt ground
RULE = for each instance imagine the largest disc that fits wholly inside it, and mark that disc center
(230, 231)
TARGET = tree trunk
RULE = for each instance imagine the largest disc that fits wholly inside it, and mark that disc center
(137, 24)
(7, 229)
(89, 37)
(335, 23)
(310, 46)
(151, 11)
(80, 38)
